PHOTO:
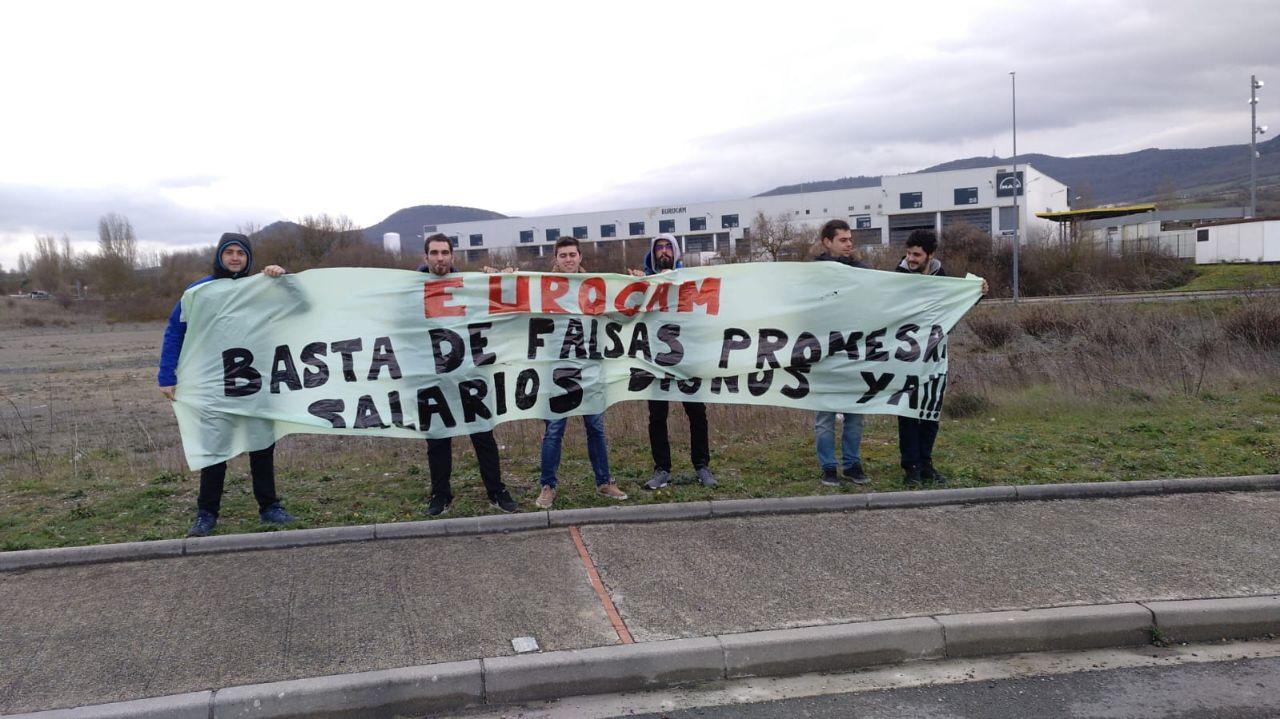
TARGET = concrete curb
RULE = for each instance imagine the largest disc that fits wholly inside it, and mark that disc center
(412, 691)
(831, 648)
(196, 705)
(526, 521)
(1203, 620)
(1040, 630)
(601, 670)
(649, 665)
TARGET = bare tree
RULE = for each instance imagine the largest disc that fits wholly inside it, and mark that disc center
(117, 257)
(116, 239)
(777, 237)
(44, 267)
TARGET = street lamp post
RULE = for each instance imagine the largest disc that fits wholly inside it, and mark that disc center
(1254, 130)
(1017, 218)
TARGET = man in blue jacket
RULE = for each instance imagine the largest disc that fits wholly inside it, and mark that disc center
(664, 256)
(233, 259)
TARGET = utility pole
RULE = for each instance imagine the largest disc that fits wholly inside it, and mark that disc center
(1017, 217)
(1254, 85)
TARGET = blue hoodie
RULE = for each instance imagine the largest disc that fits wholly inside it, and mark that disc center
(176, 330)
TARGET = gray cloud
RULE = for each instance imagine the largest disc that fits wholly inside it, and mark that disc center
(28, 209)
(1091, 76)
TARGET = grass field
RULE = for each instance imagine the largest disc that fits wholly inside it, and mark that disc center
(89, 450)
(1234, 277)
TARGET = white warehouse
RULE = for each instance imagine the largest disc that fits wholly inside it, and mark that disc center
(981, 197)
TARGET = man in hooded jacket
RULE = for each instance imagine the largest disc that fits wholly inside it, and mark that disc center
(664, 256)
(916, 436)
(233, 260)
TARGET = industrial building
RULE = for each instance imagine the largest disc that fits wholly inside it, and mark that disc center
(992, 199)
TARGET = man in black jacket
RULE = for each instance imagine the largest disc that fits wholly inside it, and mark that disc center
(916, 436)
(837, 246)
(438, 259)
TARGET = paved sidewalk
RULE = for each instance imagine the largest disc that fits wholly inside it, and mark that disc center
(89, 634)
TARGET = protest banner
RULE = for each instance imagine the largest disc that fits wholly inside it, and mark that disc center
(409, 354)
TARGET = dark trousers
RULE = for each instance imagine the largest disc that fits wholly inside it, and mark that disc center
(440, 464)
(915, 441)
(699, 449)
(262, 467)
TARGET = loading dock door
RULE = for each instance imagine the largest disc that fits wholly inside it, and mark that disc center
(901, 225)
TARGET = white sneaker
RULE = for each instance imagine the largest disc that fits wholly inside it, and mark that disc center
(546, 497)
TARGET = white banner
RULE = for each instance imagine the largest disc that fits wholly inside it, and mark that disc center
(409, 354)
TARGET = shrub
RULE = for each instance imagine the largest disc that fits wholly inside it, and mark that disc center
(993, 332)
(961, 403)
(1044, 321)
(32, 322)
(1256, 323)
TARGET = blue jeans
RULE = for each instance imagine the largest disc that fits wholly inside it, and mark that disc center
(597, 449)
(824, 435)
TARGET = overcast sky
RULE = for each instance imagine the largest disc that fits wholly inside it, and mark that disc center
(191, 119)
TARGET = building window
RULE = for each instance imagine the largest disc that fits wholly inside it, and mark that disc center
(727, 221)
(966, 196)
(862, 222)
(1202, 235)
(635, 228)
(910, 200)
(697, 224)
(526, 235)
(553, 234)
(608, 230)
(698, 244)
(428, 229)
(453, 240)
(580, 232)
(666, 225)
(476, 240)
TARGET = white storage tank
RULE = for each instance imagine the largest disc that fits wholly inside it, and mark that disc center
(391, 242)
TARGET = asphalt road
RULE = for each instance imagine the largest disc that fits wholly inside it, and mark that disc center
(1243, 689)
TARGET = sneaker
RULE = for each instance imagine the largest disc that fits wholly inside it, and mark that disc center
(829, 477)
(931, 475)
(913, 477)
(610, 490)
(502, 500)
(546, 497)
(660, 479)
(204, 524)
(275, 514)
(438, 505)
(855, 474)
(706, 477)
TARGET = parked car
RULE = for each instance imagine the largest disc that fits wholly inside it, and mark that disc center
(39, 295)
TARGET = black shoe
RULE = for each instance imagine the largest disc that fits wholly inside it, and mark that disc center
(829, 477)
(438, 505)
(275, 514)
(204, 524)
(931, 475)
(855, 474)
(912, 478)
(502, 500)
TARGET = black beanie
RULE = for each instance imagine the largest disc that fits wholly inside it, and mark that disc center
(232, 238)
